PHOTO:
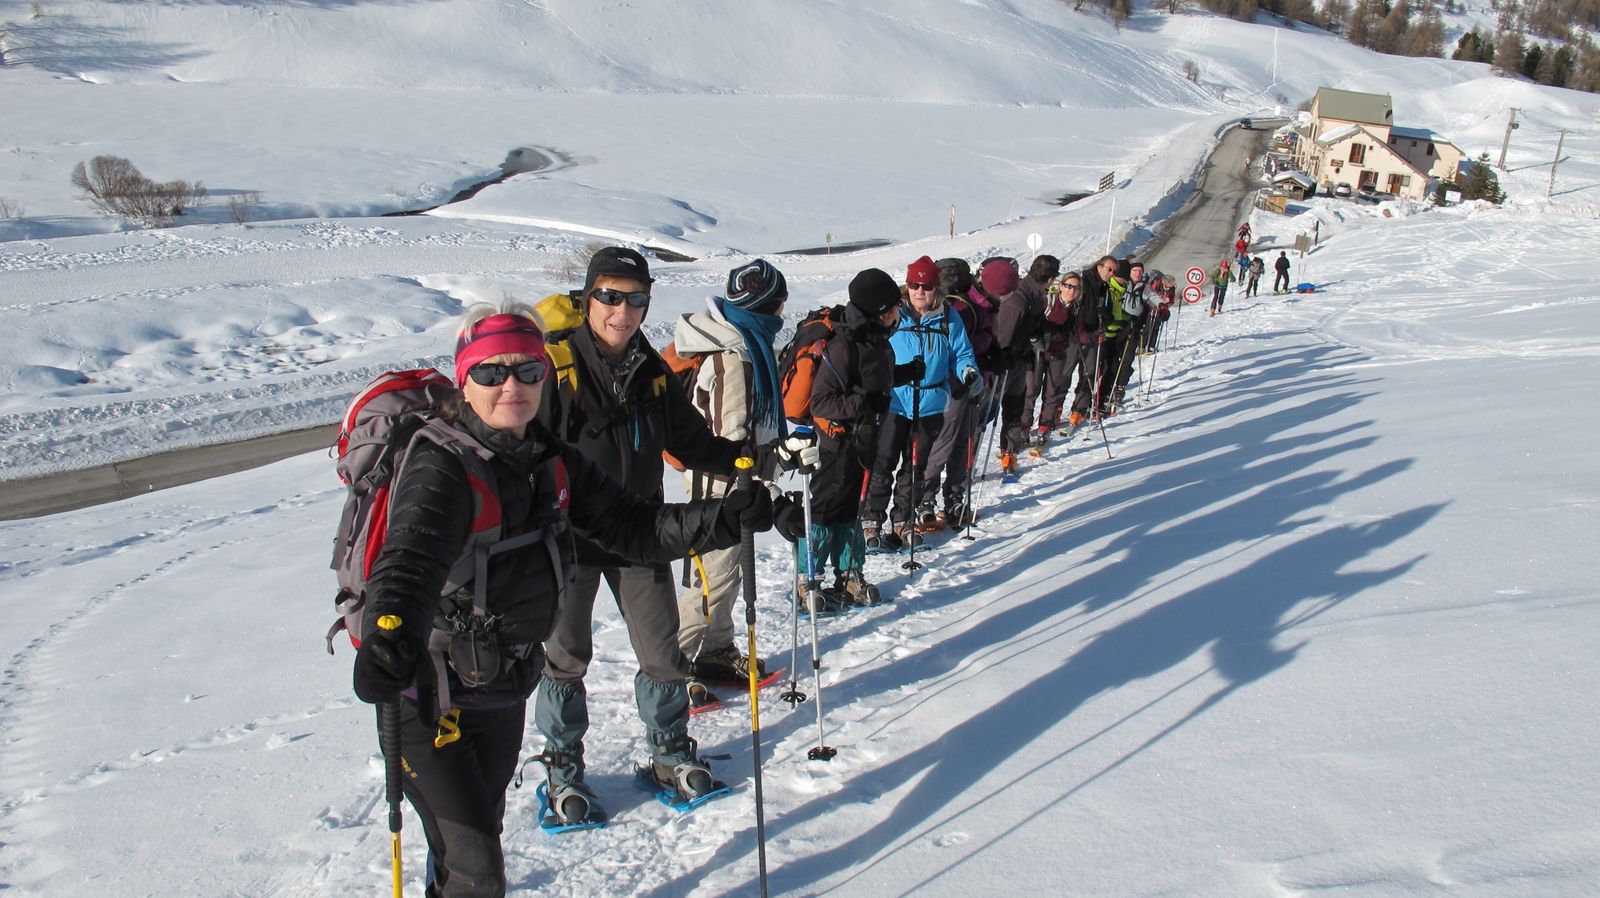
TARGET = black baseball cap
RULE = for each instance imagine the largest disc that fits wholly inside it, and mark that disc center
(617, 261)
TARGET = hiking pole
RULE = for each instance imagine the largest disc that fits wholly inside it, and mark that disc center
(389, 742)
(1099, 381)
(988, 453)
(821, 752)
(972, 475)
(793, 696)
(747, 564)
(916, 426)
(972, 448)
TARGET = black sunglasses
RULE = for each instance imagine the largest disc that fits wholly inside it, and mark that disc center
(486, 374)
(611, 297)
(915, 286)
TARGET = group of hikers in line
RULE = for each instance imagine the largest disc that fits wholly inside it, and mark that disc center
(1247, 270)
(568, 431)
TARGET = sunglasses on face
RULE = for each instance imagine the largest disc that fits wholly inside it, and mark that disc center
(486, 374)
(912, 286)
(1072, 286)
(611, 297)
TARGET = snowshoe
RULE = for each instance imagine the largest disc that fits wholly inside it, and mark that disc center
(908, 535)
(679, 779)
(701, 698)
(928, 521)
(855, 590)
(575, 807)
(829, 604)
(724, 665)
(888, 542)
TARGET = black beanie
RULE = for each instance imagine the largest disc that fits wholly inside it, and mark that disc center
(874, 292)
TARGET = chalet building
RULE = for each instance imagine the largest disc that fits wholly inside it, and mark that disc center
(1352, 139)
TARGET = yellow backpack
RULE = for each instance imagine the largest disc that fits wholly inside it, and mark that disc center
(559, 315)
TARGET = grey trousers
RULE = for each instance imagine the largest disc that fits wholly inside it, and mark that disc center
(650, 609)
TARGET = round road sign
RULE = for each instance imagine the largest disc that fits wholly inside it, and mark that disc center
(1195, 276)
(1034, 242)
(1191, 293)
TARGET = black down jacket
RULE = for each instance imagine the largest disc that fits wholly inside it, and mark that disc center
(431, 515)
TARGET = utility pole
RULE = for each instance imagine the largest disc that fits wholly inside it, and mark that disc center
(1559, 141)
(1511, 125)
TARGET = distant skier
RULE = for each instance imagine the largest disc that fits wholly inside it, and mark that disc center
(1282, 267)
(1256, 268)
(1219, 286)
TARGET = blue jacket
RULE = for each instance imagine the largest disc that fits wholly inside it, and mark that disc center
(941, 340)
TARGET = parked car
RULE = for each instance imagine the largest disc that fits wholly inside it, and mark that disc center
(1245, 124)
(1342, 189)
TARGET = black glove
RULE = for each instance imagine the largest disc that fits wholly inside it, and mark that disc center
(875, 403)
(971, 377)
(789, 516)
(748, 507)
(910, 372)
(386, 665)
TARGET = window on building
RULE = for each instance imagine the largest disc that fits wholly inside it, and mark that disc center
(1358, 153)
(1430, 149)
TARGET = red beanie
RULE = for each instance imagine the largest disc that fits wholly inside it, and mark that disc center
(999, 277)
(923, 271)
(502, 334)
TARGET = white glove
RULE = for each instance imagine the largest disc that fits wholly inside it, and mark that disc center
(799, 452)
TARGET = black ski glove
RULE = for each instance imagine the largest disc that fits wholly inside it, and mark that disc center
(748, 507)
(789, 516)
(386, 665)
(910, 372)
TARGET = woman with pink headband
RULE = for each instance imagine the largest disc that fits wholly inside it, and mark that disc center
(546, 492)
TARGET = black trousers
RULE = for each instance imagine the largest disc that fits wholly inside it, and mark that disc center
(459, 795)
(894, 466)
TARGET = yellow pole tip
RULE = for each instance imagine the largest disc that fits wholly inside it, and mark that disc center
(744, 463)
(389, 622)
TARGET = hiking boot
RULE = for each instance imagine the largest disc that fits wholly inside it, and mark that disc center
(675, 767)
(854, 589)
(908, 535)
(956, 516)
(1075, 419)
(829, 601)
(928, 521)
(570, 801)
(1008, 463)
(891, 542)
(700, 695)
(870, 535)
(724, 664)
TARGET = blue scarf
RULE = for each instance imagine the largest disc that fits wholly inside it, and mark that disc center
(759, 330)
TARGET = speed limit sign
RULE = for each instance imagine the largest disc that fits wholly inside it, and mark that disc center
(1195, 276)
(1191, 293)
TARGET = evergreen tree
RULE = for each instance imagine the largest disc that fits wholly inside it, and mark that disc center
(1467, 46)
(1531, 60)
(1482, 183)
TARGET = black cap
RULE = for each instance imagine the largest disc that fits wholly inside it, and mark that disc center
(874, 292)
(617, 261)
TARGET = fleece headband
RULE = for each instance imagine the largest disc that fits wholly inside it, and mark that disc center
(498, 335)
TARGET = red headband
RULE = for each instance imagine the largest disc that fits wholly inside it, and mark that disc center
(502, 334)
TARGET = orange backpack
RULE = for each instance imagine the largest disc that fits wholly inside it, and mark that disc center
(799, 362)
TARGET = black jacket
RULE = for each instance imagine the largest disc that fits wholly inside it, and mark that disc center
(431, 515)
(623, 417)
(1092, 307)
(852, 387)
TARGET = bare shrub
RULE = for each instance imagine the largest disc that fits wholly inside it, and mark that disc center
(1191, 70)
(36, 10)
(10, 208)
(574, 263)
(241, 206)
(114, 186)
